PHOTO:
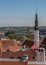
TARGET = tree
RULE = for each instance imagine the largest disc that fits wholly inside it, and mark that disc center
(12, 36)
(31, 37)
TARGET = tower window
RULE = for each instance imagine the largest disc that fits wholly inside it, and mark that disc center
(40, 50)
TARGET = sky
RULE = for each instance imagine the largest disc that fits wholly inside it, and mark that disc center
(22, 12)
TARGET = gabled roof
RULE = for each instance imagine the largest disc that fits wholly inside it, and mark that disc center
(3, 50)
(11, 49)
(0, 43)
(44, 40)
(15, 48)
(28, 43)
(7, 43)
(43, 43)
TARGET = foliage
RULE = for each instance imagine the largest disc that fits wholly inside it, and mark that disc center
(31, 37)
(12, 36)
(21, 38)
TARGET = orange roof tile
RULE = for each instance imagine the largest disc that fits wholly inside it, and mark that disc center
(15, 48)
(19, 43)
(0, 43)
(7, 43)
(3, 50)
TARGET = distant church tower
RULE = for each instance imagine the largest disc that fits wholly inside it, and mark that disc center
(36, 31)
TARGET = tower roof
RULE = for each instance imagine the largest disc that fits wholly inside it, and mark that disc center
(36, 21)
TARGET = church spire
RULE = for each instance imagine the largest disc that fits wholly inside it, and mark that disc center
(36, 21)
(36, 31)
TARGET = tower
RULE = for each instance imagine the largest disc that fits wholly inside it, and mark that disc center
(36, 31)
(39, 51)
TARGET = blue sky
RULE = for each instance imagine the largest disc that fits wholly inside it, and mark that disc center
(22, 12)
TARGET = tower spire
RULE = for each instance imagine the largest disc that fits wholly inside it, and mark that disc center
(36, 21)
(36, 31)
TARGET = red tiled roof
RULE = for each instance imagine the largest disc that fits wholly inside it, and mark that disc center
(0, 43)
(3, 50)
(15, 48)
(35, 47)
(28, 43)
(19, 43)
(44, 40)
(7, 43)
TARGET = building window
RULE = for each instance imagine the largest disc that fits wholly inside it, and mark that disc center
(11, 57)
(33, 57)
(40, 50)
